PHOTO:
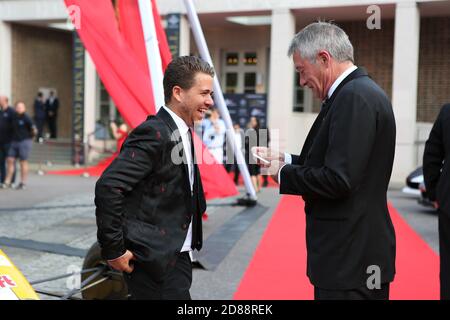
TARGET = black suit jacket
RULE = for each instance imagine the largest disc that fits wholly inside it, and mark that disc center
(436, 161)
(343, 173)
(143, 199)
(52, 107)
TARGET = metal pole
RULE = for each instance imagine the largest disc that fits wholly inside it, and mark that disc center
(204, 53)
(152, 49)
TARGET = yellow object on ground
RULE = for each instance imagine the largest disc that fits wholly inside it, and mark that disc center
(13, 285)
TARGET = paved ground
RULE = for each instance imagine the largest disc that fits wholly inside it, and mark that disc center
(60, 210)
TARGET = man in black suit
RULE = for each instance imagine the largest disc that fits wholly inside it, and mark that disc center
(343, 170)
(150, 199)
(39, 114)
(436, 172)
(51, 108)
(7, 114)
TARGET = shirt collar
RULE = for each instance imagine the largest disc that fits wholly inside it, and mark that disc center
(182, 126)
(341, 78)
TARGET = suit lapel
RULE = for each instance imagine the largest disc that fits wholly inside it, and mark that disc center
(167, 118)
(359, 72)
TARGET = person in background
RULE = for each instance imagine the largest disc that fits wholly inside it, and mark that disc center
(39, 114)
(436, 173)
(232, 163)
(265, 177)
(252, 140)
(214, 135)
(51, 109)
(6, 118)
(120, 133)
(22, 140)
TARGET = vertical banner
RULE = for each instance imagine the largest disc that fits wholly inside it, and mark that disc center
(78, 101)
(173, 33)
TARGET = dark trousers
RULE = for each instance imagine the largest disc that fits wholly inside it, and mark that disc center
(174, 285)
(52, 128)
(444, 254)
(4, 147)
(362, 293)
(40, 127)
(3, 155)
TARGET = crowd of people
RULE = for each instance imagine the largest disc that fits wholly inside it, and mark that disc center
(214, 137)
(16, 133)
(46, 114)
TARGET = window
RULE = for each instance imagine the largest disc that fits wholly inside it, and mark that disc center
(250, 59)
(299, 95)
(250, 82)
(232, 59)
(231, 82)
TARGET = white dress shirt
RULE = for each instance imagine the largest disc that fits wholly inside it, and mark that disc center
(184, 133)
(336, 83)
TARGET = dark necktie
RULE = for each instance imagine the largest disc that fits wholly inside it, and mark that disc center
(196, 229)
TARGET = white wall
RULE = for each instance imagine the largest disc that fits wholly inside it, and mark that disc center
(5, 59)
(404, 87)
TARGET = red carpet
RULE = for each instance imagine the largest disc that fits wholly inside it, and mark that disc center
(278, 268)
(94, 171)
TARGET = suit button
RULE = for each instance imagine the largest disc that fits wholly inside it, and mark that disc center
(163, 232)
(184, 226)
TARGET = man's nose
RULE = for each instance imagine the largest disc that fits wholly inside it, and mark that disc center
(209, 102)
(302, 82)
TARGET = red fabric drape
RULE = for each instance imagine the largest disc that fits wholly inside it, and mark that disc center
(116, 63)
(121, 62)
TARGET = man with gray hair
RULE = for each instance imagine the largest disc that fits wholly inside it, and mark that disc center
(343, 170)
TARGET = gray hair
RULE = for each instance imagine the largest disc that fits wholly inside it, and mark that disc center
(322, 36)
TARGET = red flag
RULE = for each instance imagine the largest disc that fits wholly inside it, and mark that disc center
(121, 61)
(117, 65)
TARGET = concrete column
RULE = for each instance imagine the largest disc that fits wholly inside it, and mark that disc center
(5, 60)
(404, 88)
(90, 99)
(281, 82)
(185, 36)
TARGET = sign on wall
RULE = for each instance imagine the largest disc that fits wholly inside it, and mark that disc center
(78, 101)
(243, 106)
(173, 33)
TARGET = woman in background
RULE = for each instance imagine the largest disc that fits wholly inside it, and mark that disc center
(252, 140)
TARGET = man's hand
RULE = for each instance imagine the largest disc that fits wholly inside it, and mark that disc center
(274, 168)
(436, 205)
(268, 154)
(123, 262)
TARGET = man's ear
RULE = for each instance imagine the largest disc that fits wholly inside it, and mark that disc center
(177, 93)
(324, 58)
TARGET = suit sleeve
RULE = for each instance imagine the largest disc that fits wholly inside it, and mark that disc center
(433, 157)
(351, 138)
(136, 160)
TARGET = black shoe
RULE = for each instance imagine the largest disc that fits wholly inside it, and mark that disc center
(21, 186)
